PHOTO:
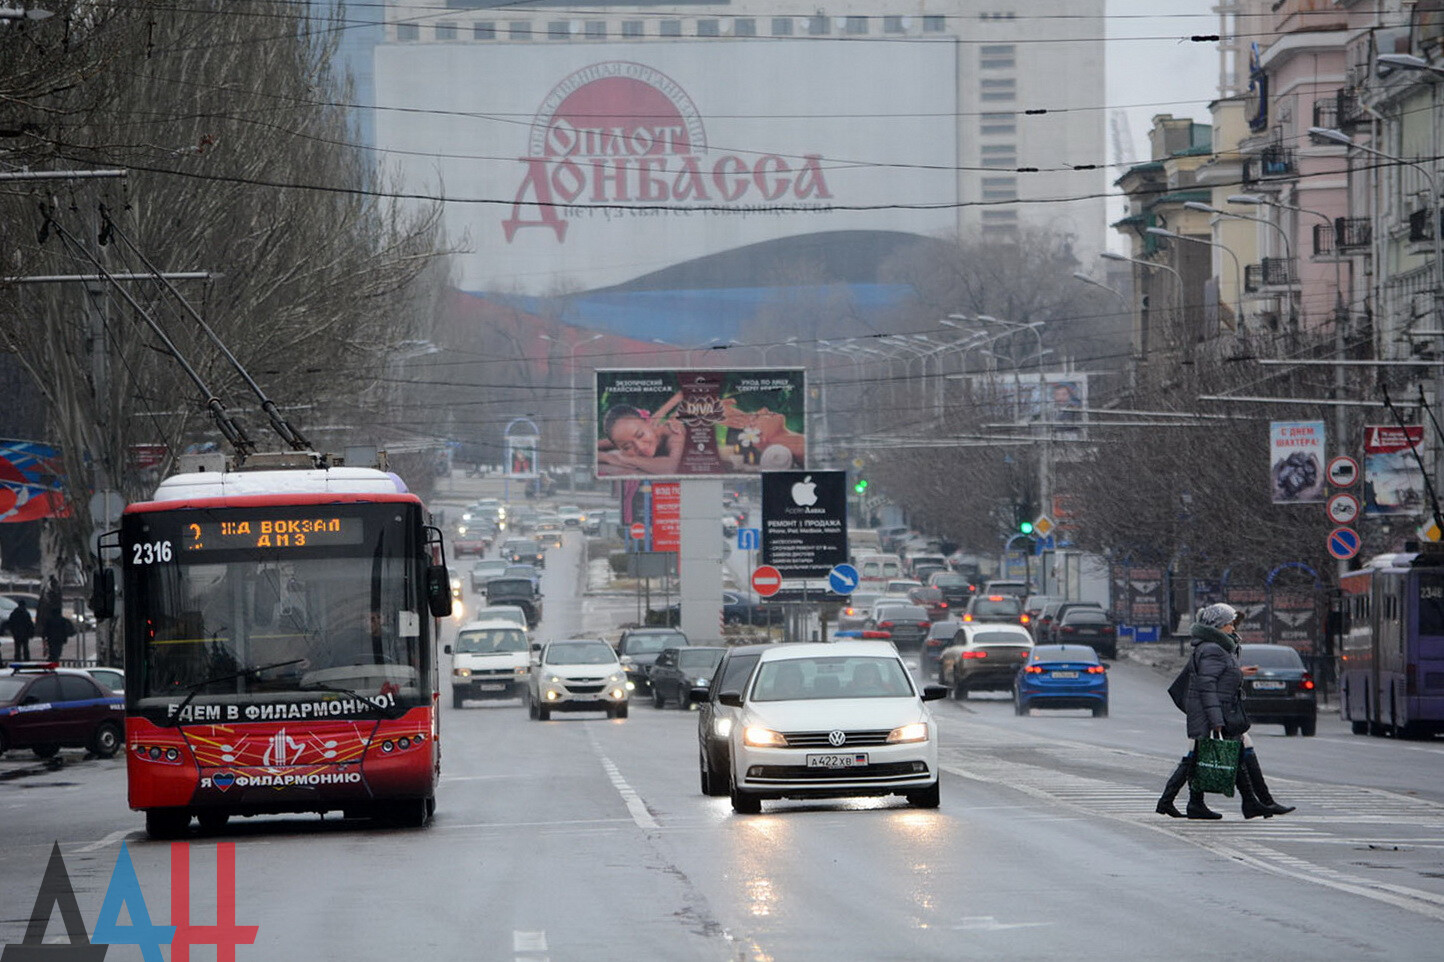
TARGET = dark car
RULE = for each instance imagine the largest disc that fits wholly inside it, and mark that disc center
(524, 551)
(906, 625)
(1087, 626)
(521, 592)
(940, 636)
(956, 588)
(45, 709)
(679, 670)
(1062, 676)
(638, 649)
(931, 599)
(1059, 613)
(998, 609)
(1282, 692)
(742, 609)
(715, 720)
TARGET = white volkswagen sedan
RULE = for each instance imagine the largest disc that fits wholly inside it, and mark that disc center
(579, 674)
(832, 721)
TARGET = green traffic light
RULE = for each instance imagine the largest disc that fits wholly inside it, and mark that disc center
(1025, 527)
(860, 486)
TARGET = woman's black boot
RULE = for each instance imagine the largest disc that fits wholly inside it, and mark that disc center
(1250, 804)
(1176, 781)
(1196, 807)
(1260, 788)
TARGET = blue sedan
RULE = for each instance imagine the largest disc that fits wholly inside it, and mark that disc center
(1062, 676)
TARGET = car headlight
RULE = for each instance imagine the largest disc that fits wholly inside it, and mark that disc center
(759, 737)
(554, 679)
(522, 670)
(701, 682)
(616, 678)
(916, 732)
(461, 672)
(461, 529)
(722, 727)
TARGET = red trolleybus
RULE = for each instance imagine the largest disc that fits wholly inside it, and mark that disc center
(279, 650)
(1391, 659)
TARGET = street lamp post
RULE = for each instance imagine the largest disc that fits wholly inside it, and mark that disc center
(574, 444)
(1288, 243)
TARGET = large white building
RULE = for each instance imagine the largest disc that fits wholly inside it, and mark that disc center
(581, 147)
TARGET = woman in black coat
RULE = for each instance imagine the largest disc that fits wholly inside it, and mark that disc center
(1215, 707)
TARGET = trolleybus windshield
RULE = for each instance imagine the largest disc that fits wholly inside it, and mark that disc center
(253, 606)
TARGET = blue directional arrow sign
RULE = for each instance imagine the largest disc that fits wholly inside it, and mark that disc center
(843, 579)
(1343, 543)
(749, 539)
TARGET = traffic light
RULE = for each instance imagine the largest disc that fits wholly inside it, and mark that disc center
(1022, 519)
(860, 486)
(1025, 527)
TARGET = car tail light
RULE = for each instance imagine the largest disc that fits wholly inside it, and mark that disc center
(1096, 669)
(884, 624)
(1106, 630)
(1307, 683)
(1024, 619)
(974, 654)
(1023, 655)
(925, 624)
(967, 617)
(877, 634)
(942, 604)
(1067, 629)
(995, 597)
(1034, 669)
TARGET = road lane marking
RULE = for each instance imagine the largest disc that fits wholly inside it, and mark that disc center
(109, 840)
(635, 805)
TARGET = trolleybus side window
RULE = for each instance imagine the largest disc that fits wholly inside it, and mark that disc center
(1431, 605)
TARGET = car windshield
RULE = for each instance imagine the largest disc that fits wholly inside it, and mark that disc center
(944, 629)
(1000, 638)
(1270, 656)
(904, 613)
(1000, 607)
(698, 658)
(581, 653)
(842, 676)
(942, 580)
(650, 644)
(10, 688)
(490, 641)
(1052, 654)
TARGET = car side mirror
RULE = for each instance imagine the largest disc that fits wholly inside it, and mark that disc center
(438, 591)
(446, 649)
(732, 699)
(102, 594)
(698, 694)
(934, 692)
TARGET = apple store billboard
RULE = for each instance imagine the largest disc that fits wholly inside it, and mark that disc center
(691, 422)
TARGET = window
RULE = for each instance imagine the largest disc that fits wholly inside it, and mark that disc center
(519, 30)
(1000, 157)
(408, 31)
(997, 56)
(934, 24)
(1003, 88)
(1000, 188)
(994, 124)
(595, 29)
(632, 28)
(708, 28)
(819, 26)
(671, 28)
(855, 25)
(484, 30)
(782, 26)
(446, 31)
(744, 27)
(892, 24)
(1000, 217)
(559, 30)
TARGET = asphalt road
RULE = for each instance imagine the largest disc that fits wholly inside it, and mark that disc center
(587, 839)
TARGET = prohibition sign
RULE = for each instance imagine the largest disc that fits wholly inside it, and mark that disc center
(1343, 471)
(1343, 543)
(766, 581)
(638, 531)
(1343, 508)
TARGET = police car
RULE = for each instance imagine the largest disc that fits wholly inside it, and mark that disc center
(46, 708)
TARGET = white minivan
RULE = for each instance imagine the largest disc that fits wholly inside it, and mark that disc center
(489, 659)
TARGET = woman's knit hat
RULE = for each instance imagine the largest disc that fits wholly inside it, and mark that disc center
(1216, 616)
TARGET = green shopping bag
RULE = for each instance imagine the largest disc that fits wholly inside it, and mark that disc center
(1215, 765)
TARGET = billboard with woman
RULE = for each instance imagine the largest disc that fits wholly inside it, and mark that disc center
(700, 423)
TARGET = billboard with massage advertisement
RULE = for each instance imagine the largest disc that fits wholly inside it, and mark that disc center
(688, 423)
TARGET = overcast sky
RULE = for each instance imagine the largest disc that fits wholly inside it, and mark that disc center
(1153, 69)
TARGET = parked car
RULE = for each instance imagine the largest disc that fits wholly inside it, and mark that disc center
(956, 588)
(486, 569)
(715, 720)
(489, 659)
(577, 674)
(906, 625)
(1062, 676)
(1282, 692)
(831, 721)
(739, 608)
(940, 636)
(983, 657)
(638, 649)
(1087, 626)
(45, 709)
(679, 670)
(996, 609)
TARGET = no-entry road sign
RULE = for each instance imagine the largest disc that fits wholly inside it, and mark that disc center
(766, 581)
(638, 531)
